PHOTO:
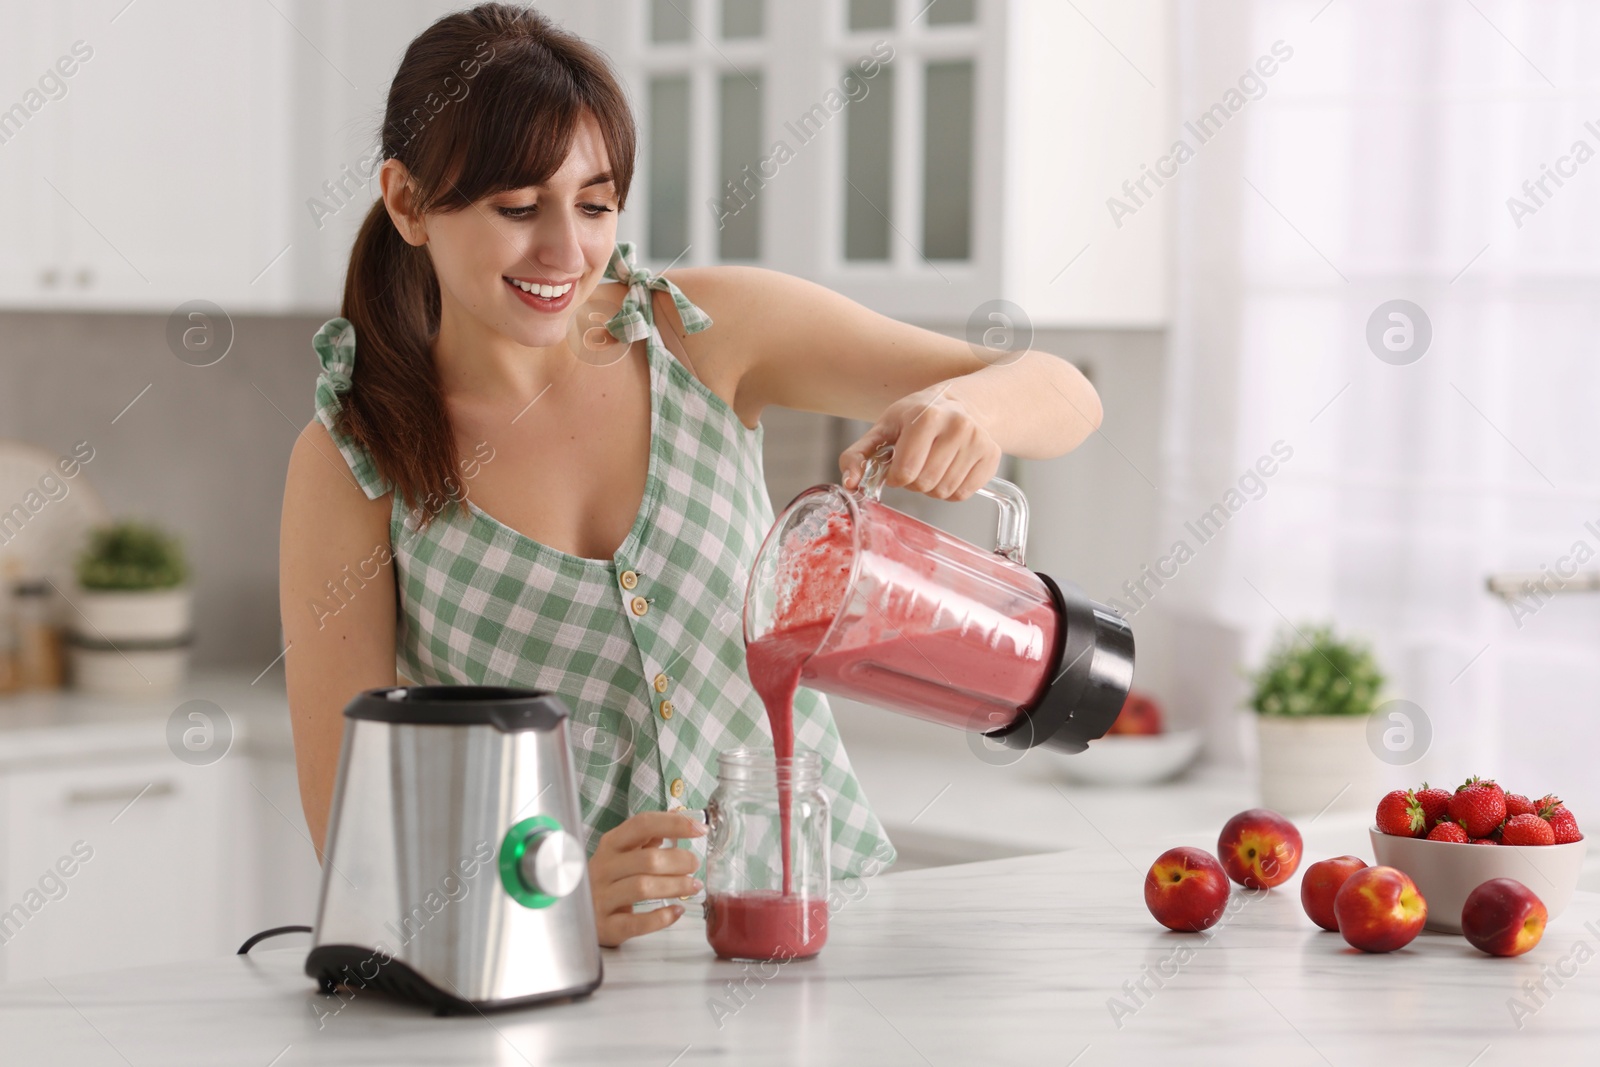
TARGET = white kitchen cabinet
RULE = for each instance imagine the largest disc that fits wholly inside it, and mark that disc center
(975, 165)
(28, 214)
(206, 856)
(155, 844)
(280, 866)
(225, 152)
(157, 176)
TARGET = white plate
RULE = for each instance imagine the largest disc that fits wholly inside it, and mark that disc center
(1133, 759)
(46, 535)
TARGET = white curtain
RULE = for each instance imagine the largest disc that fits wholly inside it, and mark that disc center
(1375, 163)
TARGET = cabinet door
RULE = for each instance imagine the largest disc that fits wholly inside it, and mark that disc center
(338, 93)
(175, 160)
(32, 109)
(280, 863)
(149, 846)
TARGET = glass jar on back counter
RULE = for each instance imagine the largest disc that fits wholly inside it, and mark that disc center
(767, 856)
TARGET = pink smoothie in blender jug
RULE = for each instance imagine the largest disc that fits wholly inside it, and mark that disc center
(854, 598)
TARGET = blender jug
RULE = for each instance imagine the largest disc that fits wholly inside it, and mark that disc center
(885, 609)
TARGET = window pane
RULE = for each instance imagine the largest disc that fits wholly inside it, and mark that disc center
(669, 20)
(871, 14)
(669, 166)
(739, 219)
(951, 12)
(947, 162)
(869, 133)
(742, 18)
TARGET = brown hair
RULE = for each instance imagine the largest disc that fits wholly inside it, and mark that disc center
(485, 100)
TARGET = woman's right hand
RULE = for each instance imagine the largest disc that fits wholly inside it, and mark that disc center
(629, 865)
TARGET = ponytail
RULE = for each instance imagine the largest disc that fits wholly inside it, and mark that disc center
(394, 407)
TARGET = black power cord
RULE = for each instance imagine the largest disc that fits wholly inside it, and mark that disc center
(244, 949)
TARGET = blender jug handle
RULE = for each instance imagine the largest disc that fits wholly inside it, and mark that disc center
(1011, 535)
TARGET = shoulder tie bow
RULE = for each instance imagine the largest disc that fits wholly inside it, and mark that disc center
(632, 320)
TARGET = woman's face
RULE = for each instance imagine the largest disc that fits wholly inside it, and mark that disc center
(521, 262)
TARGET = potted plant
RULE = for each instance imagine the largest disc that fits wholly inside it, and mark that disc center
(131, 631)
(1312, 698)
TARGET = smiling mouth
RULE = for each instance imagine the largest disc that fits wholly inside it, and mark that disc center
(541, 297)
(547, 292)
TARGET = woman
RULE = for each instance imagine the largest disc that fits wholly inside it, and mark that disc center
(521, 474)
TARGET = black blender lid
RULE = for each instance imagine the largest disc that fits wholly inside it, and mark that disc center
(1095, 657)
(506, 708)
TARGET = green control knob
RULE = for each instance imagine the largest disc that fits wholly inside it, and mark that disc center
(540, 862)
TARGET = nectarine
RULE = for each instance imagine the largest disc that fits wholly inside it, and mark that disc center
(1140, 715)
(1321, 884)
(1259, 848)
(1379, 909)
(1503, 917)
(1186, 889)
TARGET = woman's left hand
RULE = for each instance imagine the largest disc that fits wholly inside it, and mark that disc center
(940, 446)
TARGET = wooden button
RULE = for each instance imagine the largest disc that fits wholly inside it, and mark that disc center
(666, 709)
(629, 579)
(661, 683)
(639, 605)
(677, 787)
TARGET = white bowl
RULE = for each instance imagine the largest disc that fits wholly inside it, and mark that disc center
(149, 672)
(133, 614)
(1133, 759)
(1446, 872)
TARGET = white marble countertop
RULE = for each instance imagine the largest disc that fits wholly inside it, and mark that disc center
(944, 798)
(47, 726)
(1012, 961)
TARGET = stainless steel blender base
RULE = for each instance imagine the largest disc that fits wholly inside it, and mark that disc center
(454, 874)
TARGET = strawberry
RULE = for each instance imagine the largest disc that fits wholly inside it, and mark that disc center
(1527, 830)
(1517, 804)
(1563, 824)
(1399, 814)
(1435, 802)
(1445, 830)
(1479, 805)
(1483, 841)
(1549, 800)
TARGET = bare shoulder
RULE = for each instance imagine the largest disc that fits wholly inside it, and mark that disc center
(320, 483)
(746, 305)
(740, 297)
(331, 532)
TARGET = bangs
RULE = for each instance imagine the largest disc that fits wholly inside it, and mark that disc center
(517, 124)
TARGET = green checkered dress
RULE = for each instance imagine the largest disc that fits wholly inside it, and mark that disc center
(620, 638)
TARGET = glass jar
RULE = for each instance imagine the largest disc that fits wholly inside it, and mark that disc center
(39, 657)
(752, 911)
